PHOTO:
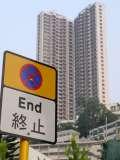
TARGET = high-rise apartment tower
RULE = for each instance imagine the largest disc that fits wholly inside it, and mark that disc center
(56, 48)
(90, 54)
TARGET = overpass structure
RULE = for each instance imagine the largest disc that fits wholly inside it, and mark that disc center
(106, 132)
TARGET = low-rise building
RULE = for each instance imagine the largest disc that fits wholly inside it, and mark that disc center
(57, 151)
(115, 108)
(65, 136)
(35, 155)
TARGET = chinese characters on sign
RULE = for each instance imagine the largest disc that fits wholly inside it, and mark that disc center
(19, 122)
(36, 129)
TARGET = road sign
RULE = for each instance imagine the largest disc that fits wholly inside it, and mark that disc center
(29, 98)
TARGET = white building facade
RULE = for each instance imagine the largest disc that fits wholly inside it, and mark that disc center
(90, 54)
(78, 51)
(55, 47)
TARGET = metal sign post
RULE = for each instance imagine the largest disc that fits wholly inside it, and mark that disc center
(24, 149)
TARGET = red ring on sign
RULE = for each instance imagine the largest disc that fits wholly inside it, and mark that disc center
(31, 77)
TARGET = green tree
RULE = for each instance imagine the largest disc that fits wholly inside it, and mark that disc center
(111, 150)
(74, 152)
(92, 114)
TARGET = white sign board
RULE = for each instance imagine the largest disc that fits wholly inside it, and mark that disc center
(28, 115)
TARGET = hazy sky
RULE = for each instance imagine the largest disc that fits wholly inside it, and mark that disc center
(18, 26)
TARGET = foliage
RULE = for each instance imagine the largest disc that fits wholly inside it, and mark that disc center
(111, 150)
(92, 114)
(74, 152)
(3, 150)
(8, 147)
